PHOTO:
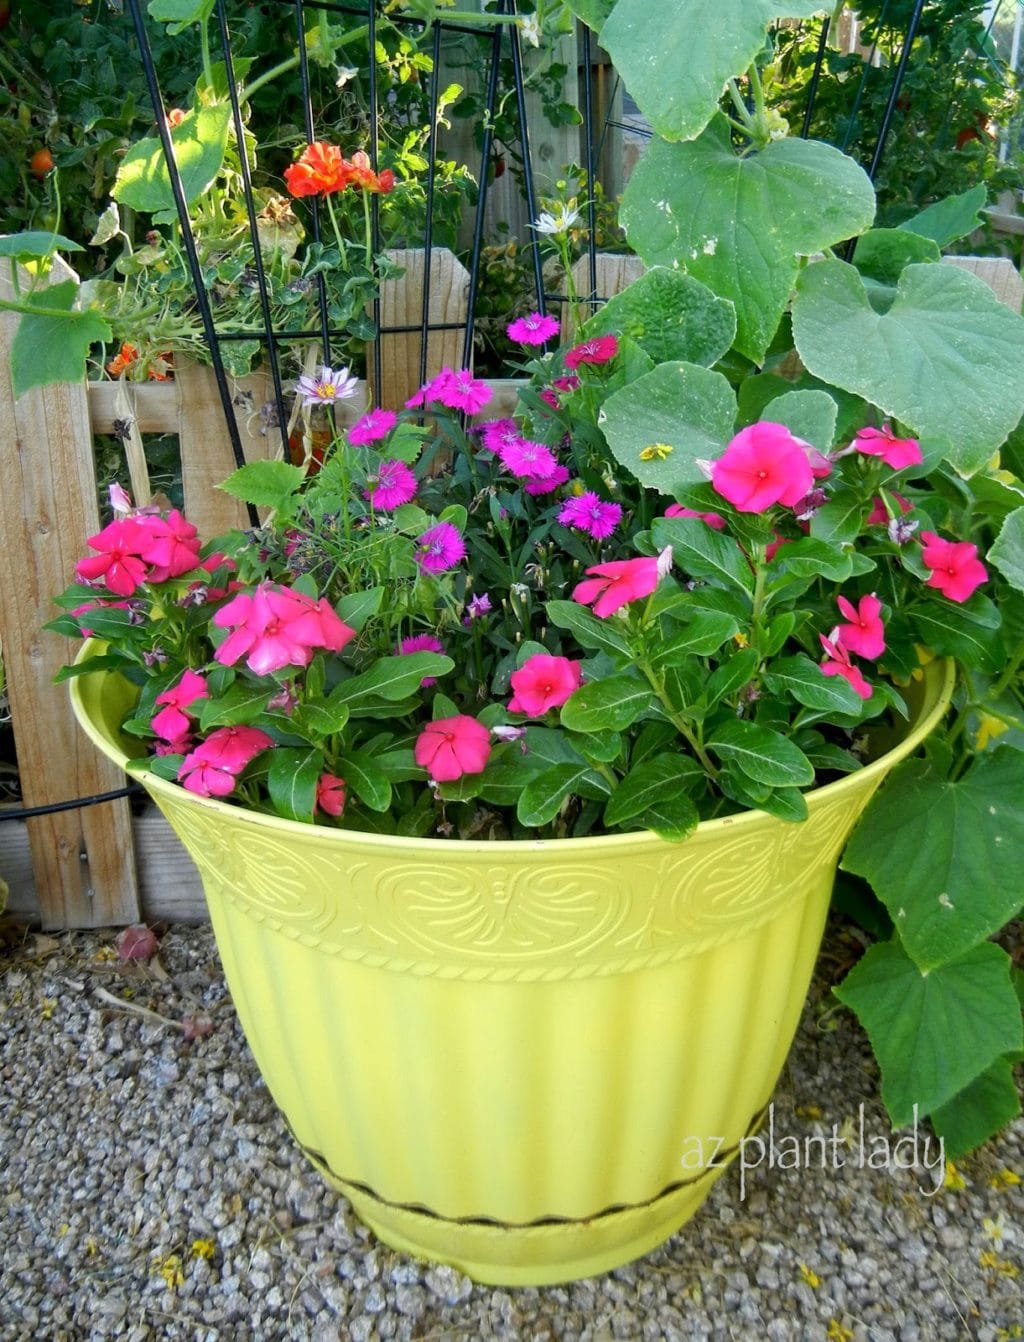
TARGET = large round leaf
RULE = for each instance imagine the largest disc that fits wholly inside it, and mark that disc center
(661, 424)
(947, 359)
(675, 58)
(739, 225)
(670, 316)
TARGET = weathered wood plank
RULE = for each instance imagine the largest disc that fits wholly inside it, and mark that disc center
(998, 272)
(82, 859)
(401, 304)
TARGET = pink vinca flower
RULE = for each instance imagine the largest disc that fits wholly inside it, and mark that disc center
(172, 545)
(451, 747)
(586, 512)
(955, 567)
(618, 583)
(763, 465)
(119, 563)
(897, 453)
(371, 427)
(330, 794)
(395, 485)
(714, 520)
(422, 643)
(536, 329)
(211, 769)
(440, 547)
(172, 722)
(276, 627)
(598, 350)
(543, 682)
(837, 663)
(863, 632)
(232, 748)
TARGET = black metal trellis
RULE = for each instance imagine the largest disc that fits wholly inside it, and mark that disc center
(495, 41)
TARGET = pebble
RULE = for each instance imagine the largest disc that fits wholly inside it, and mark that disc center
(125, 1153)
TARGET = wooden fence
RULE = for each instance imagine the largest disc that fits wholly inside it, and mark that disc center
(98, 865)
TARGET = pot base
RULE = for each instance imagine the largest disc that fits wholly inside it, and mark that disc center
(547, 1252)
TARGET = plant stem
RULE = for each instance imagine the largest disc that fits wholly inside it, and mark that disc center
(678, 721)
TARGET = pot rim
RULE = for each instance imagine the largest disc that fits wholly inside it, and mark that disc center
(937, 685)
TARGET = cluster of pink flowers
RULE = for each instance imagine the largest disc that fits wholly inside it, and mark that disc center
(863, 633)
(273, 627)
(213, 767)
(140, 548)
(456, 389)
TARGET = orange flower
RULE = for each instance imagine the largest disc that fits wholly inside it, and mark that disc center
(125, 357)
(319, 170)
(175, 117)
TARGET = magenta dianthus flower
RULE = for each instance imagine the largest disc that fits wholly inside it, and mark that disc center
(527, 460)
(371, 427)
(536, 329)
(587, 512)
(395, 485)
(439, 547)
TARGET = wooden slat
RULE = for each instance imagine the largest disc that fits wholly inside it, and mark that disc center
(401, 304)
(998, 272)
(155, 405)
(207, 458)
(82, 859)
(614, 272)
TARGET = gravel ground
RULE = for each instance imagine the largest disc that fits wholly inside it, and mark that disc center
(150, 1191)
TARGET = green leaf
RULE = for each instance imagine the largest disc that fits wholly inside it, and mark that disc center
(366, 778)
(969, 631)
(358, 607)
(661, 424)
(591, 12)
(610, 704)
(979, 1111)
(730, 677)
(947, 359)
(1007, 553)
(933, 1031)
(951, 219)
(764, 755)
(54, 349)
(587, 629)
(742, 225)
(811, 558)
(242, 702)
(676, 58)
(882, 253)
(664, 778)
(671, 818)
(199, 141)
(292, 779)
(700, 551)
(267, 484)
(840, 521)
(542, 797)
(316, 721)
(31, 245)
(671, 316)
(180, 12)
(811, 415)
(936, 852)
(803, 679)
(704, 635)
(391, 678)
(788, 803)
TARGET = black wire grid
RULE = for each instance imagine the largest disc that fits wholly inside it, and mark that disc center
(495, 43)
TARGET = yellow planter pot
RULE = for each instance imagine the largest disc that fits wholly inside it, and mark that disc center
(509, 1055)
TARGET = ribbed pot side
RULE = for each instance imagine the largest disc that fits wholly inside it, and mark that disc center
(530, 1060)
